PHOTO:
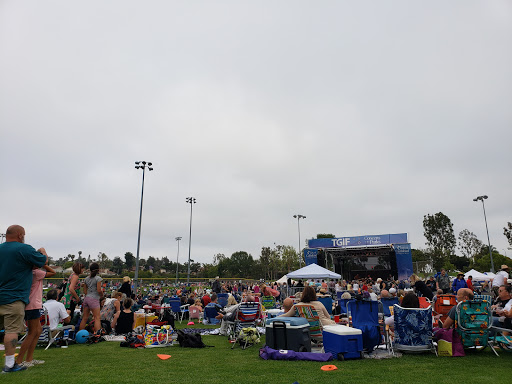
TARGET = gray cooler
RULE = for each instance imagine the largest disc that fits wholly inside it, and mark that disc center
(290, 333)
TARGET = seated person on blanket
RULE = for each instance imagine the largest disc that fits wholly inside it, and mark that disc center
(309, 297)
(56, 311)
(462, 294)
(213, 303)
(124, 321)
(230, 314)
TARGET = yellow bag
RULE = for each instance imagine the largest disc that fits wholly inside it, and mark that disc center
(444, 348)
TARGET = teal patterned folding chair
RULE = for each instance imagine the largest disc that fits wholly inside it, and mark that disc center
(473, 323)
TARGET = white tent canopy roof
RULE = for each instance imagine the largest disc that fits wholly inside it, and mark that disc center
(313, 271)
(282, 280)
(477, 276)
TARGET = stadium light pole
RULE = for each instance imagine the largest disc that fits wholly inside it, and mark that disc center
(482, 198)
(298, 217)
(140, 165)
(177, 257)
(191, 201)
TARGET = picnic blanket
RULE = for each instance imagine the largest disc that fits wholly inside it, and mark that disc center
(267, 353)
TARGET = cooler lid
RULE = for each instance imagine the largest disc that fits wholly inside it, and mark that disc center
(342, 330)
(290, 321)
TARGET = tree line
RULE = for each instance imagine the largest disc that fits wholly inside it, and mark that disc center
(442, 245)
(272, 263)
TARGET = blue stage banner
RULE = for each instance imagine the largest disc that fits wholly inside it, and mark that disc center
(358, 241)
(310, 256)
(403, 260)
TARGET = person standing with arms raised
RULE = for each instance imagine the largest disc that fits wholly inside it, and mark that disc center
(17, 260)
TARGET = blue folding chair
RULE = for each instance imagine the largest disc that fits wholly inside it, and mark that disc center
(327, 302)
(343, 305)
(210, 311)
(178, 309)
(365, 316)
(222, 299)
(388, 302)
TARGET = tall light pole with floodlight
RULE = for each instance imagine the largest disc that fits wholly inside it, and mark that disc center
(191, 201)
(482, 198)
(140, 165)
(177, 257)
(298, 217)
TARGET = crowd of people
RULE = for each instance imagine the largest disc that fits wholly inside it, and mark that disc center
(93, 304)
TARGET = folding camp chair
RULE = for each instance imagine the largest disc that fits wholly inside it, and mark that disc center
(443, 304)
(327, 302)
(342, 303)
(247, 315)
(483, 297)
(195, 312)
(365, 316)
(46, 337)
(388, 302)
(268, 302)
(413, 330)
(222, 299)
(210, 311)
(424, 302)
(309, 312)
(178, 309)
(473, 324)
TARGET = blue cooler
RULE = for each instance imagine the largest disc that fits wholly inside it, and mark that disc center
(343, 342)
(291, 333)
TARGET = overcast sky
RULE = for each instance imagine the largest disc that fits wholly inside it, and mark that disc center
(362, 116)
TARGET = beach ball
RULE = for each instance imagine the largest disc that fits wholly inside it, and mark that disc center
(82, 336)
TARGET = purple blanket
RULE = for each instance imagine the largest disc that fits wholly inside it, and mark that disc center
(267, 353)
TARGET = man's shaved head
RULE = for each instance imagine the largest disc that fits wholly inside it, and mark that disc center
(15, 233)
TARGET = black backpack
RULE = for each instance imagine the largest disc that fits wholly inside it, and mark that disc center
(190, 340)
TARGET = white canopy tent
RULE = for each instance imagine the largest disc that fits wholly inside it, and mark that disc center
(283, 280)
(313, 271)
(477, 276)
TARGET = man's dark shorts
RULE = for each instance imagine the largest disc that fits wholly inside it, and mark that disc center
(32, 314)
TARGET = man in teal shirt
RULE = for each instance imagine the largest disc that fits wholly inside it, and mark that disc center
(17, 260)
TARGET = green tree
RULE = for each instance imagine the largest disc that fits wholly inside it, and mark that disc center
(264, 261)
(325, 236)
(150, 263)
(103, 260)
(117, 265)
(241, 264)
(507, 231)
(129, 260)
(483, 260)
(290, 258)
(469, 244)
(208, 270)
(438, 230)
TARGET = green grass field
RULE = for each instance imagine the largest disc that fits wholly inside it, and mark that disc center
(107, 362)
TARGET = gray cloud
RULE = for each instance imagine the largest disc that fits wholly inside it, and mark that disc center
(362, 116)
